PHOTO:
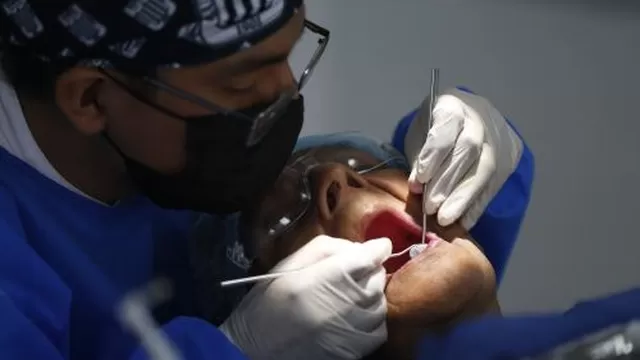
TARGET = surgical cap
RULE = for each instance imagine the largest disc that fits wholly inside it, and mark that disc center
(139, 34)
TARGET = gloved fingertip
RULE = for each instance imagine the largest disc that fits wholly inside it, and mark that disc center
(431, 207)
(445, 221)
(413, 176)
(451, 211)
(379, 249)
(448, 215)
(414, 173)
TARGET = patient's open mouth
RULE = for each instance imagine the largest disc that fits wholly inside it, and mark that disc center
(397, 226)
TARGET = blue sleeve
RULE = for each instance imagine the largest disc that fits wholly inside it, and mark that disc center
(22, 339)
(523, 336)
(35, 305)
(197, 340)
(497, 229)
(33, 302)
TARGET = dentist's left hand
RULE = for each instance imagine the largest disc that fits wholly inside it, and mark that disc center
(334, 309)
(467, 155)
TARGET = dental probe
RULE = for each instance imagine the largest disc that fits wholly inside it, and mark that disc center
(432, 100)
(275, 275)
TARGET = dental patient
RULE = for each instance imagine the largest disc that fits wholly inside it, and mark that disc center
(352, 187)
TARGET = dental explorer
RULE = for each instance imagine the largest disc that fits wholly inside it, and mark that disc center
(435, 72)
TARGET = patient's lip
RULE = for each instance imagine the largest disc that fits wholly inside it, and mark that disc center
(431, 242)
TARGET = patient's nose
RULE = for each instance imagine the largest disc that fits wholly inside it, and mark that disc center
(332, 184)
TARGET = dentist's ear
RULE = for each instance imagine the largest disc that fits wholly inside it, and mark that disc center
(76, 95)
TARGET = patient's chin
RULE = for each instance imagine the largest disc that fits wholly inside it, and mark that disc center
(433, 292)
(440, 285)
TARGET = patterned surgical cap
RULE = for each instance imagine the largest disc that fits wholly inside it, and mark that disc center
(139, 34)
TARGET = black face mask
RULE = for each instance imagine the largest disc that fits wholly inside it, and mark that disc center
(222, 175)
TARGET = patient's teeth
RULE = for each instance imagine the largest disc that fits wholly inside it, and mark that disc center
(416, 250)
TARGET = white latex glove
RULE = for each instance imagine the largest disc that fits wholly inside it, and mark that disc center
(468, 155)
(334, 309)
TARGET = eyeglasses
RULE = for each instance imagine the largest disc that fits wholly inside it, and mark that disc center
(263, 122)
(291, 196)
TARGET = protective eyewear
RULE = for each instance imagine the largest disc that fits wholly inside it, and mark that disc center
(262, 123)
(292, 195)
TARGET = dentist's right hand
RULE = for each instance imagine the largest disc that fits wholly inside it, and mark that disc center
(334, 309)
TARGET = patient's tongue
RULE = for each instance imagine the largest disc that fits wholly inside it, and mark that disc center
(402, 233)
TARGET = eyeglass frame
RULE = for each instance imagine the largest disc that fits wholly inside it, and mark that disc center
(263, 122)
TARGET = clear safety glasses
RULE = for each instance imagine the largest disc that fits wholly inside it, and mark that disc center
(262, 123)
(292, 195)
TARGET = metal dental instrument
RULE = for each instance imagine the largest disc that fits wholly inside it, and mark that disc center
(435, 72)
(275, 275)
(254, 279)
